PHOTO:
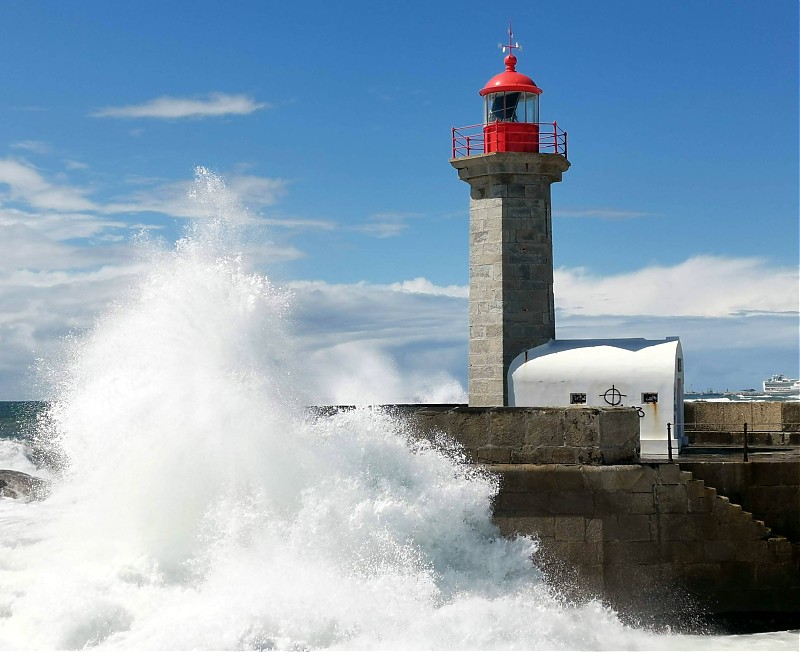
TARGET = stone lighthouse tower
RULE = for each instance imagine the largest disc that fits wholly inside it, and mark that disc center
(510, 162)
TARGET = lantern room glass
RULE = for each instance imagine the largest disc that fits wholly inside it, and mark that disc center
(511, 106)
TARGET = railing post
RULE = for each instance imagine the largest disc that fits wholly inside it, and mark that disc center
(744, 432)
(669, 441)
(565, 145)
(555, 135)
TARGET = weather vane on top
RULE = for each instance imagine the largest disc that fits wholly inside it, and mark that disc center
(511, 45)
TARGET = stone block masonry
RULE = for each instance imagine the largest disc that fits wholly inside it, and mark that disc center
(769, 489)
(770, 423)
(533, 435)
(651, 540)
(511, 304)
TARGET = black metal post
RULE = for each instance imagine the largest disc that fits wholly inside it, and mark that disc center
(669, 441)
(745, 441)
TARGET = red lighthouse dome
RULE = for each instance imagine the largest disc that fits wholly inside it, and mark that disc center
(511, 108)
(511, 80)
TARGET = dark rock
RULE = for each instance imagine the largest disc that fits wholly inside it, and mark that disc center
(21, 486)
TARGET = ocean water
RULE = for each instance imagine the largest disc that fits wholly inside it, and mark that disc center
(196, 505)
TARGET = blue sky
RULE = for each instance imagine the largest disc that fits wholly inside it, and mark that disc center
(332, 122)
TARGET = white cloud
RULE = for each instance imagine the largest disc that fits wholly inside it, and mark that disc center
(23, 246)
(357, 311)
(407, 341)
(26, 184)
(42, 220)
(381, 343)
(381, 229)
(702, 286)
(732, 352)
(175, 198)
(421, 285)
(34, 146)
(385, 225)
(257, 192)
(364, 373)
(270, 252)
(299, 224)
(38, 309)
(62, 225)
(75, 165)
(213, 105)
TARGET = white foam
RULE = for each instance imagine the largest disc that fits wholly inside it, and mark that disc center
(14, 455)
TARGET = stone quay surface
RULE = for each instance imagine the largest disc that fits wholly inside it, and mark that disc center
(511, 303)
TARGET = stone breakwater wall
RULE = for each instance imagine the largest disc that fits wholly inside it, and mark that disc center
(649, 539)
(769, 423)
(511, 435)
(769, 489)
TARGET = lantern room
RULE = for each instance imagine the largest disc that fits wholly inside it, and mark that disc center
(511, 109)
(510, 117)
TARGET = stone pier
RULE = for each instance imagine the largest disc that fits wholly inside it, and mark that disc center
(657, 542)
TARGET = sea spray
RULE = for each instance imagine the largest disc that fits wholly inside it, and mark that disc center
(199, 506)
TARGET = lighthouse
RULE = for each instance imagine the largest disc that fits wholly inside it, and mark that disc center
(510, 161)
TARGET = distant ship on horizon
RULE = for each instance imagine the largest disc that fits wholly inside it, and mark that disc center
(780, 385)
(777, 387)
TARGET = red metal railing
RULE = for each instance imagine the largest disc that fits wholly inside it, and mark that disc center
(470, 141)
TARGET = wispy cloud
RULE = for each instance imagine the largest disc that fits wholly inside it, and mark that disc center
(255, 191)
(422, 285)
(75, 165)
(299, 223)
(26, 184)
(602, 213)
(386, 225)
(702, 286)
(238, 194)
(34, 146)
(172, 108)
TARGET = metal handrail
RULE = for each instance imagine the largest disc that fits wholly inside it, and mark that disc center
(734, 426)
(746, 431)
(470, 140)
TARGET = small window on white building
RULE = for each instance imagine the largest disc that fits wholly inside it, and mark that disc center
(650, 397)
(577, 399)
(680, 365)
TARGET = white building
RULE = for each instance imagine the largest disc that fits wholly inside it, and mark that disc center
(633, 372)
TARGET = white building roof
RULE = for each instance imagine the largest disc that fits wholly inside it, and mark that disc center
(635, 358)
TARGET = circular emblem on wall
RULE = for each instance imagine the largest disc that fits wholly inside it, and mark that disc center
(613, 396)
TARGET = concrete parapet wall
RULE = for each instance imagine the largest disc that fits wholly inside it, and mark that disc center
(649, 539)
(769, 489)
(510, 435)
(721, 423)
